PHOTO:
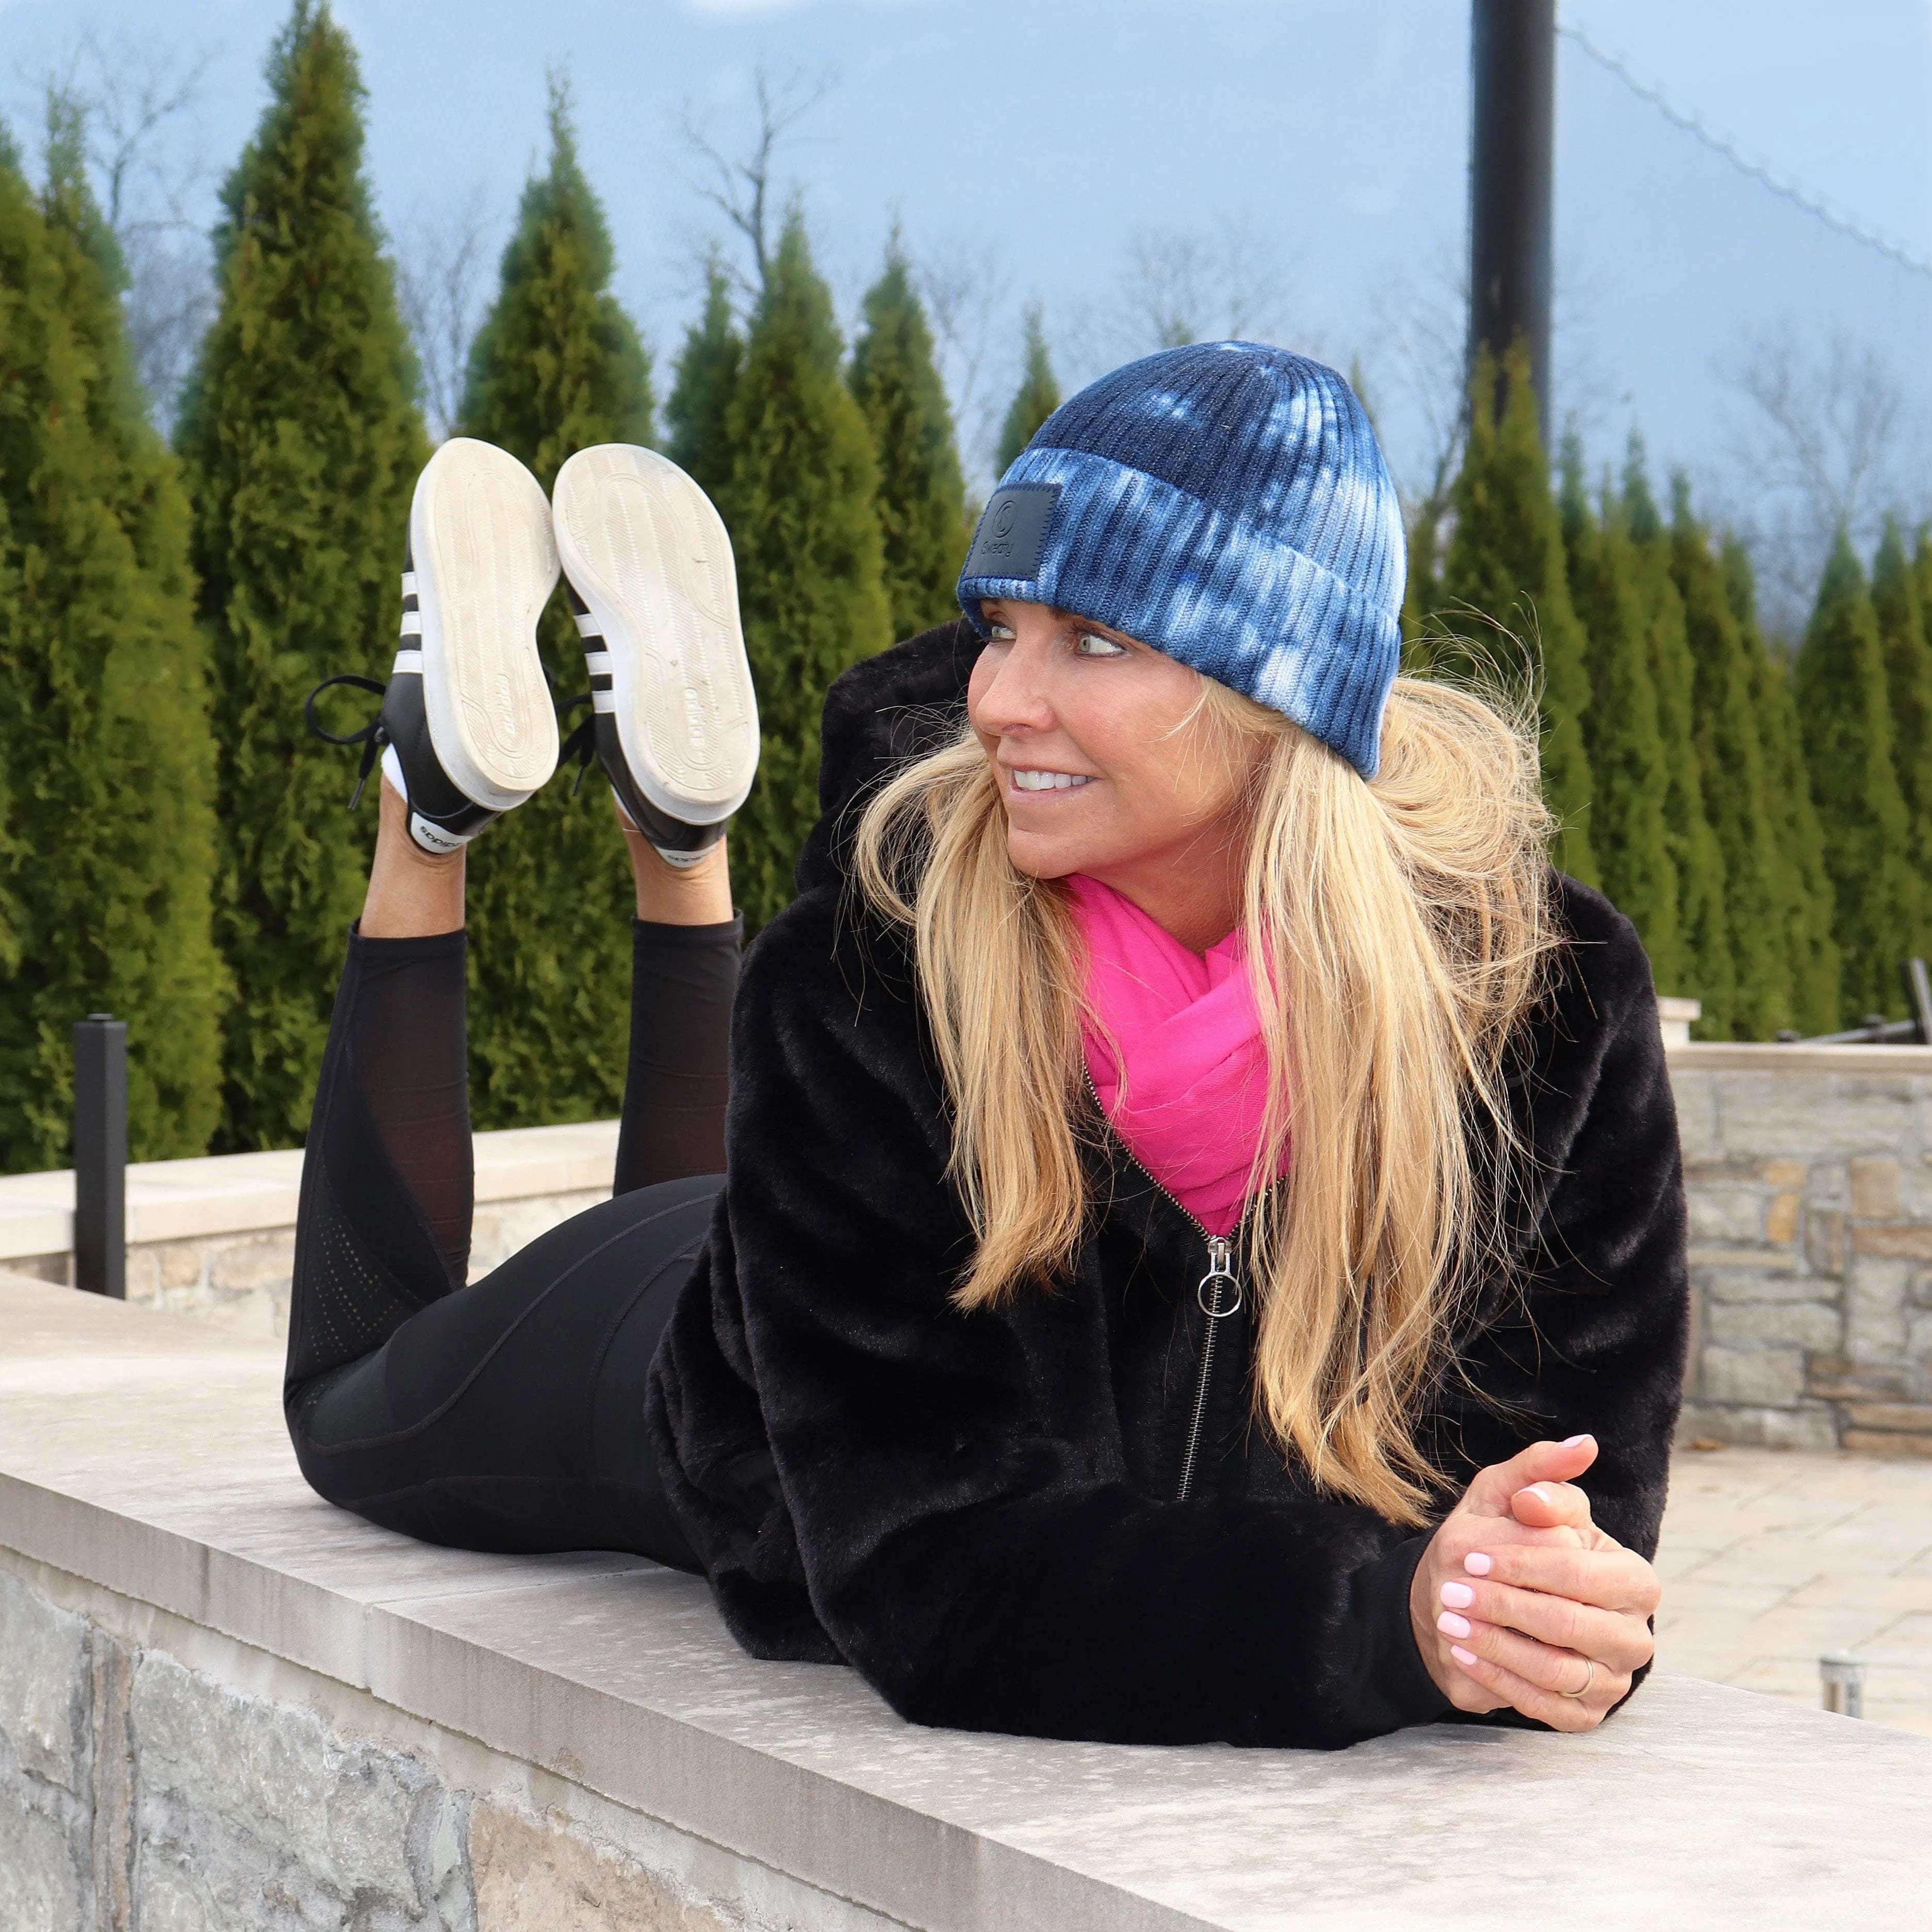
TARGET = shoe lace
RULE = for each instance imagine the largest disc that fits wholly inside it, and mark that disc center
(371, 737)
(581, 745)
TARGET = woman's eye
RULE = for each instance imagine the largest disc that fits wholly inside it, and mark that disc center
(1091, 644)
(999, 634)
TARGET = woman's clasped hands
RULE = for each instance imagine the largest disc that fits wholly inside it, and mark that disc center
(1521, 1601)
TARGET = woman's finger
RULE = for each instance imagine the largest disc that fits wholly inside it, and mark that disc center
(1552, 1506)
(1612, 1579)
(1616, 1638)
(1546, 1707)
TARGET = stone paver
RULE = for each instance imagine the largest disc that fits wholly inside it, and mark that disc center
(1772, 1557)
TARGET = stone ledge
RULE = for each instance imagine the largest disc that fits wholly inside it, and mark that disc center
(242, 1193)
(1724, 1056)
(144, 1454)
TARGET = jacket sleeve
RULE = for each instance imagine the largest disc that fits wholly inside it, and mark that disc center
(1595, 1337)
(955, 1481)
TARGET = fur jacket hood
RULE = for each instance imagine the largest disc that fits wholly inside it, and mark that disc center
(977, 1511)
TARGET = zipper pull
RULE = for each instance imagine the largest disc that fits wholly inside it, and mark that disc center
(1220, 1268)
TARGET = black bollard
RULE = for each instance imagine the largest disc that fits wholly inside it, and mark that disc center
(101, 1156)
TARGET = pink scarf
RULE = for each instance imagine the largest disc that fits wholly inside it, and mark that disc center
(1189, 1107)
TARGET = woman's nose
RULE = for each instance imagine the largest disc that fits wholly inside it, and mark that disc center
(1013, 697)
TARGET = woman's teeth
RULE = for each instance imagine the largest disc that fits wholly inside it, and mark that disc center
(1047, 780)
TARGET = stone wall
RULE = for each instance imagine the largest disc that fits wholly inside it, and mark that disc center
(238, 1793)
(1809, 1173)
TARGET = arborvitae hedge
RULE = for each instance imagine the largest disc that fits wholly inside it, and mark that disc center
(1844, 716)
(107, 825)
(799, 507)
(1038, 395)
(705, 373)
(1506, 565)
(1900, 608)
(1800, 884)
(922, 499)
(557, 366)
(1731, 754)
(1626, 749)
(1704, 931)
(302, 442)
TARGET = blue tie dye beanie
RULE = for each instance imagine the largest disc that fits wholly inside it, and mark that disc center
(1227, 503)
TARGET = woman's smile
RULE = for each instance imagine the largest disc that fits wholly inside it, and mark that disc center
(1034, 779)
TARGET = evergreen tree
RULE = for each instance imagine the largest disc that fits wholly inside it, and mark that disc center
(707, 373)
(1626, 747)
(922, 499)
(1845, 720)
(1038, 394)
(302, 442)
(1801, 886)
(1900, 611)
(557, 366)
(107, 823)
(1731, 755)
(1506, 592)
(800, 507)
(1701, 923)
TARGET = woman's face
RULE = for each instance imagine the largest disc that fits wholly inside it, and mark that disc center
(1108, 765)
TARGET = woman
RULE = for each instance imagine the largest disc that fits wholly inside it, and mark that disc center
(1199, 1190)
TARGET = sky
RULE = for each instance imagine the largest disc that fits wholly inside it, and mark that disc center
(1308, 157)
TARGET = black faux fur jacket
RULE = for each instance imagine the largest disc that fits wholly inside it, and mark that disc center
(975, 1510)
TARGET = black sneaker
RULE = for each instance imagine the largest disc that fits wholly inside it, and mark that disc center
(675, 720)
(468, 729)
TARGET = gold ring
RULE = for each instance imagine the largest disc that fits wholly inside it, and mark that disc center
(1590, 1668)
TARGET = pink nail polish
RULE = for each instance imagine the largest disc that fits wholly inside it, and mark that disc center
(1540, 1491)
(1451, 1624)
(1458, 1596)
(1477, 1564)
(1461, 1655)
(1570, 1442)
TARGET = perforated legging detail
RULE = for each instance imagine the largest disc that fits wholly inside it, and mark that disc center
(508, 1414)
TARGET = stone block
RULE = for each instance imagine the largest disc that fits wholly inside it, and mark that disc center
(1880, 1442)
(1781, 1223)
(1874, 1306)
(533, 1875)
(1699, 1173)
(254, 1813)
(1813, 1428)
(44, 1885)
(144, 1275)
(1874, 1188)
(1795, 1325)
(1695, 1096)
(1918, 1337)
(1762, 1284)
(1761, 1377)
(1784, 1173)
(1824, 1241)
(261, 1262)
(1812, 1117)
(1911, 1418)
(44, 1686)
(1833, 1378)
(1921, 1290)
(1906, 1241)
(184, 1264)
(1725, 1215)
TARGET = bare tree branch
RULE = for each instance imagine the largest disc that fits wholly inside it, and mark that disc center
(440, 276)
(742, 185)
(968, 293)
(1186, 285)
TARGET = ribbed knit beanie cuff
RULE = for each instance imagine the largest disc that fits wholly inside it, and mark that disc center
(1227, 504)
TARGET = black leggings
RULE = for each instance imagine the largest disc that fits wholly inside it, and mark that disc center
(507, 1415)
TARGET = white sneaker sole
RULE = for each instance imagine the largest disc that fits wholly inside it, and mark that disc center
(485, 565)
(644, 549)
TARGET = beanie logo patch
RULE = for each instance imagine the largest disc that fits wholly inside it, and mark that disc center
(1011, 535)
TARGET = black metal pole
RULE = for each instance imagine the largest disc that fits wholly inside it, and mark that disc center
(101, 1156)
(1512, 169)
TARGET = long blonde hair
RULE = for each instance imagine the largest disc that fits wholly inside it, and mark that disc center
(1405, 920)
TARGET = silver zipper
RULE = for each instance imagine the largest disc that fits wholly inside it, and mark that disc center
(1207, 1292)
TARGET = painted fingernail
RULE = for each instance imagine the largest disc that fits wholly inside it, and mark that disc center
(1461, 1655)
(1477, 1564)
(1540, 1491)
(1451, 1624)
(1458, 1596)
(1570, 1442)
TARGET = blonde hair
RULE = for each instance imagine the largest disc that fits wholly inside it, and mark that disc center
(1405, 919)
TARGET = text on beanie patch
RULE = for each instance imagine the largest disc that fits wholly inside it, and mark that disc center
(1011, 535)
